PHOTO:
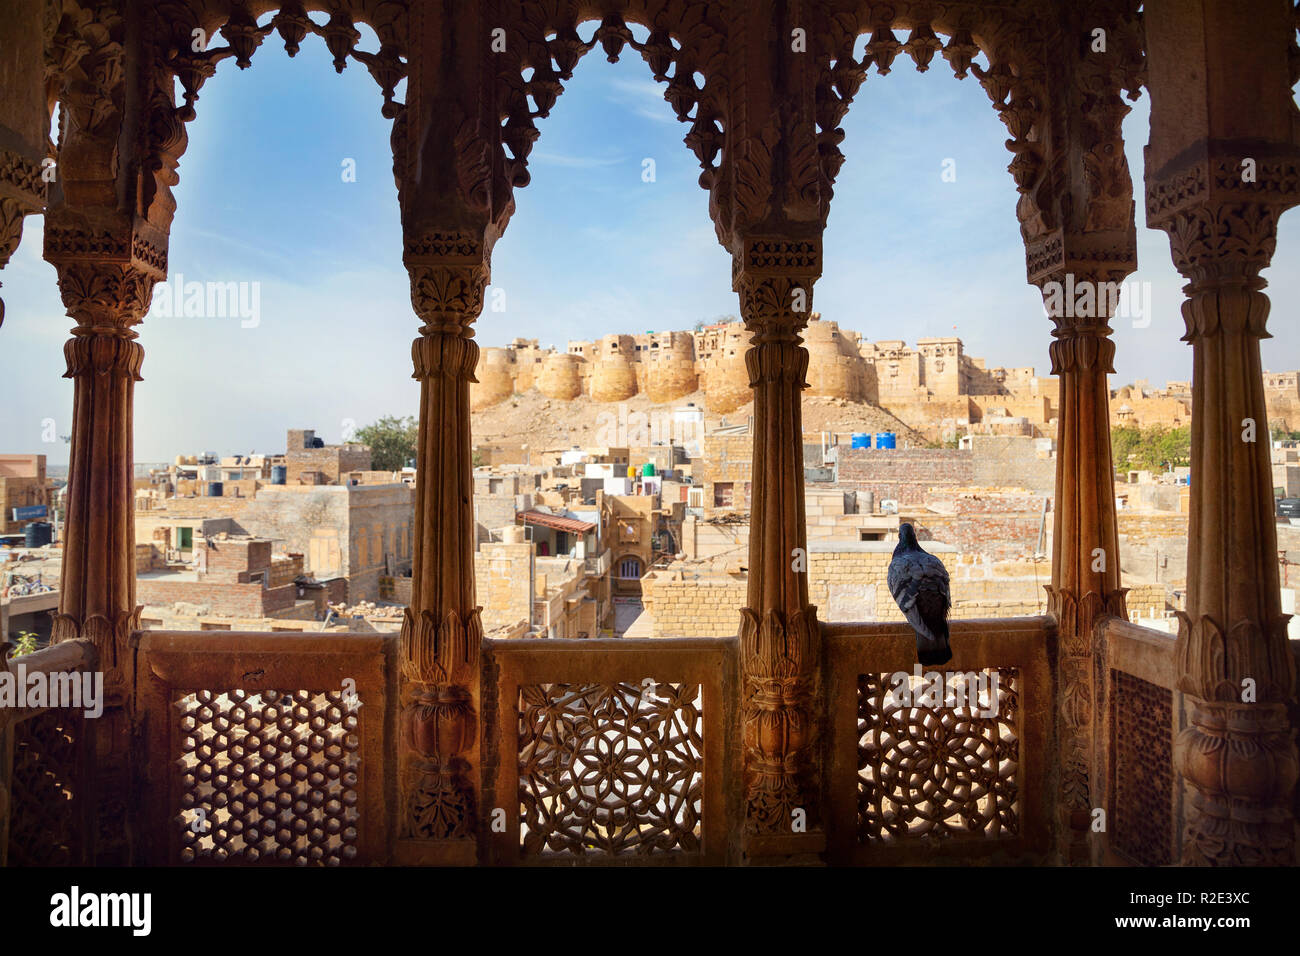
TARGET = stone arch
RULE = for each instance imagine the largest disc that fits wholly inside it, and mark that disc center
(683, 42)
(1036, 95)
(176, 27)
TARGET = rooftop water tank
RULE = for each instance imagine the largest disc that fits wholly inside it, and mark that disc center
(37, 534)
(279, 474)
(631, 471)
(886, 440)
(214, 489)
(648, 470)
(860, 440)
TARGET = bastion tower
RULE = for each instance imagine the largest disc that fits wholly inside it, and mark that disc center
(560, 378)
(613, 377)
(666, 371)
(496, 373)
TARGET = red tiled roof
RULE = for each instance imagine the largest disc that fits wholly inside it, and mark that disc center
(558, 522)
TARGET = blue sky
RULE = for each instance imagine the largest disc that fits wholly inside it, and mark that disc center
(592, 249)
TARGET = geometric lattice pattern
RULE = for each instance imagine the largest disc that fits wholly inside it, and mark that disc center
(610, 768)
(937, 772)
(43, 821)
(1141, 825)
(268, 777)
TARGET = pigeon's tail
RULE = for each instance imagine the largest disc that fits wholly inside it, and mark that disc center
(932, 647)
(933, 653)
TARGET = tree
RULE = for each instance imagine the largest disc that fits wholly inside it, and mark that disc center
(1124, 442)
(1157, 448)
(392, 442)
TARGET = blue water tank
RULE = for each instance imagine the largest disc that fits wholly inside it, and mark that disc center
(860, 440)
(279, 474)
(37, 534)
(886, 440)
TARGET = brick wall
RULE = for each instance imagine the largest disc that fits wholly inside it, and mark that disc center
(906, 474)
(1000, 525)
(224, 599)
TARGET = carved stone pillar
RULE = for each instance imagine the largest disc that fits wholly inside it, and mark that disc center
(107, 290)
(1221, 168)
(106, 278)
(1085, 540)
(441, 630)
(780, 639)
(1238, 754)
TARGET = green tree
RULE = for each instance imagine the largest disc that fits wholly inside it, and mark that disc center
(392, 441)
(1157, 448)
(1174, 447)
(1124, 441)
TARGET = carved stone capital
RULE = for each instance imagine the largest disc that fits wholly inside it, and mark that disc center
(96, 352)
(105, 295)
(440, 651)
(1214, 661)
(1077, 614)
(1223, 243)
(108, 633)
(448, 272)
(444, 354)
(774, 307)
(1081, 346)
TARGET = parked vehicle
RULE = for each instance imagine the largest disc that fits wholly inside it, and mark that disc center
(1288, 508)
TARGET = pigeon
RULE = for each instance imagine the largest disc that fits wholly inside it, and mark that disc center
(919, 583)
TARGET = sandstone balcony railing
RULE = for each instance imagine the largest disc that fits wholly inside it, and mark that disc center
(912, 782)
(265, 748)
(283, 749)
(613, 751)
(47, 765)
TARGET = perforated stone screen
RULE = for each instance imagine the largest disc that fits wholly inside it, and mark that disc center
(43, 826)
(1142, 748)
(610, 768)
(268, 777)
(938, 772)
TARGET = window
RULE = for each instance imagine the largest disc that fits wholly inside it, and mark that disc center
(629, 569)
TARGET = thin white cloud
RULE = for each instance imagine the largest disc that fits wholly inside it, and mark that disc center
(573, 162)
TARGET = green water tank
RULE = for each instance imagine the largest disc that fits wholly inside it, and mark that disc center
(648, 470)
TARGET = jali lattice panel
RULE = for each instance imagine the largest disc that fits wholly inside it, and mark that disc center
(268, 777)
(1143, 788)
(610, 769)
(47, 821)
(938, 772)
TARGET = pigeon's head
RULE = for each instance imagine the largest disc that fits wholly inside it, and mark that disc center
(906, 536)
